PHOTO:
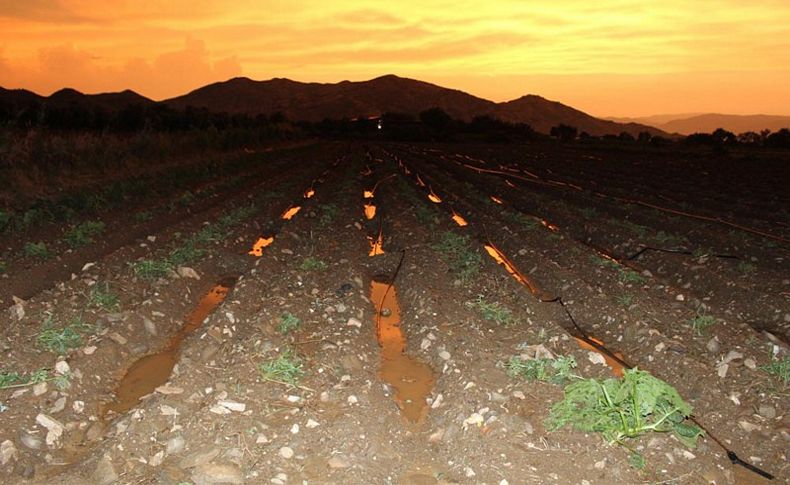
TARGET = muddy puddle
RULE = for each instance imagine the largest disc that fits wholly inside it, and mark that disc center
(370, 211)
(376, 245)
(459, 220)
(290, 212)
(410, 379)
(262, 242)
(151, 371)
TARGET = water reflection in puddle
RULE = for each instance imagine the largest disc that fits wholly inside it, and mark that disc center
(153, 370)
(459, 220)
(411, 379)
(309, 193)
(433, 197)
(370, 211)
(262, 242)
(290, 212)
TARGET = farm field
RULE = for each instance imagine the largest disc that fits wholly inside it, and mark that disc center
(349, 312)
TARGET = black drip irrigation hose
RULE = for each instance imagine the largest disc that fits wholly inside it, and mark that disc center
(390, 284)
(584, 336)
(645, 249)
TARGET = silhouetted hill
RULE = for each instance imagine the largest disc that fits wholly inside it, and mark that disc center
(707, 123)
(543, 114)
(20, 98)
(315, 102)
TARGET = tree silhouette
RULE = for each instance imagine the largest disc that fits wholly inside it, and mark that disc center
(564, 132)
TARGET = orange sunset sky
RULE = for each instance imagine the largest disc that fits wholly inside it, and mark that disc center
(606, 57)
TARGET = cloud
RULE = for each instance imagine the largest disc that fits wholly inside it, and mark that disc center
(169, 74)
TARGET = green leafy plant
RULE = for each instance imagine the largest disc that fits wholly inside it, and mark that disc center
(151, 269)
(521, 220)
(83, 233)
(779, 368)
(556, 371)
(625, 300)
(627, 275)
(143, 216)
(37, 250)
(2, 266)
(102, 297)
(604, 262)
(313, 264)
(285, 368)
(622, 409)
(10, 380)
(328, 213)
(187, 253)
(288, 323)
(746, 267)
(61, 340)
(458, 254)
(701, 322)
(494, 311)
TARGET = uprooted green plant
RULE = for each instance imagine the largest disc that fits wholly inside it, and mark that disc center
(13, 379)
(556, 371)
(457, 252)
(286, 368)
(622, 409)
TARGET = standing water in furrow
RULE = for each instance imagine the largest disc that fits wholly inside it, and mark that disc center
(411, 379)
(151, 371)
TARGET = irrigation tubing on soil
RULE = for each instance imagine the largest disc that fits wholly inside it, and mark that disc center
(645, 249)
(577, 331)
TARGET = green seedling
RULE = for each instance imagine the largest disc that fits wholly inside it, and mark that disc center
(625, 300)
(328, 213)
(627, 275)
(61, 340)
(425, 214)
(151, 269)
(701, 322)
(457, 252)
(556, 371)
(604, 262)
(623, 409)
(143, 216)
(494, 312)
(285, 368)
(288, 323)
(82, 234)
(2, 266)
(185, 254)
(779, 368)
(102, 297)
(745, 267)
(522, 220)
(313, 264)
(37, 250)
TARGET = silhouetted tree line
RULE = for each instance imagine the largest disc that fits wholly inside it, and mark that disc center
(433, 124)
(131, 118)
(724, 138)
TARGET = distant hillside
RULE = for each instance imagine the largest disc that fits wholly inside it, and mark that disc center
(21, 98)
(315, 102)
(708, 122)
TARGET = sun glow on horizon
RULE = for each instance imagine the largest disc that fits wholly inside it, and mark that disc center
(613, 57)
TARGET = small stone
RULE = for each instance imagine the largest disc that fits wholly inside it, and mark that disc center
(436, 436)
(89, 350)
(445, 355)
(221, 410)
(39, 388)
(117, 338)
(295, 429)
(157, 459)
(261, 439)
(286, 452)
(8, 452)
(519, 395)
(425, 344)
(311, 424)
(53, 426)
(385, 312)
(352, 399)
(747, 426)
(750, 363)
(168, 390)
(713, 345)
(105, 473)
(59, 405)
(600, 465)
(337, 462)
(353, 322)
(78, 406)
(216, 473)
(239, 407)
(341, 308)
(680, 297)
(150, 326)
(187, 272)
(30, 441)
(175, 445)
(766, 411)
(596, 358)
(62, 367)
